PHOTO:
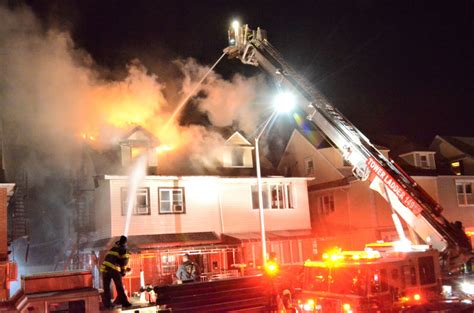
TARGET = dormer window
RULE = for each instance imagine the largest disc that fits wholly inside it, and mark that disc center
(138, 142)
(423, 159)
(237, 152)
(237, 156)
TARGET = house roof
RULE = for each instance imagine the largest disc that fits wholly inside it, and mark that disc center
(238, 139)
(157, 240)
(233, 238)
(332, 184)
(139, 129)
(464, 144)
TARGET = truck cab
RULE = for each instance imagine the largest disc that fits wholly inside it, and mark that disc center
(369, 281)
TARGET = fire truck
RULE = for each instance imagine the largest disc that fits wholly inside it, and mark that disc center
(407, 199)
(375, 279)
(369, 281)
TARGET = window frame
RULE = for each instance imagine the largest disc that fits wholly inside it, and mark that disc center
(237, 154)
(322, 204)
(309, 170)
(427, 164)
(171, 189)
(287, 197)
(124, 203)
(426, 270)
(464, 194)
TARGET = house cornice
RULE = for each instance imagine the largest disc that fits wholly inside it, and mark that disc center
(417, 151)
(221, 178)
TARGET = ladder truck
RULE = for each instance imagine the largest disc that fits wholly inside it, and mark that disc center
(420, 211)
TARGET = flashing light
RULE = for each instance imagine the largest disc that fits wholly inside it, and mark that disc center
(405, 299)
(271, 268)
(346, 307)
(417, 297)
(310, 305)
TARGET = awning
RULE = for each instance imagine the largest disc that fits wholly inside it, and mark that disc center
(277, 235)
(157, 241)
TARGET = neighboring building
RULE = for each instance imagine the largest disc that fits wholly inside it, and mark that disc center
(7, 268)
(342, 207)
(352, 213)
(456, 183)
(457, 152)
(213, 216)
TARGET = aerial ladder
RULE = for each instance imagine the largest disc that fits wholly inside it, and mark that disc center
(419, 211)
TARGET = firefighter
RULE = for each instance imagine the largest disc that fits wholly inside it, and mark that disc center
(114, 267)
(188, 271)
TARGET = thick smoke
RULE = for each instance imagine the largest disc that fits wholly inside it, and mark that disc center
(55, 101)
(52, 98)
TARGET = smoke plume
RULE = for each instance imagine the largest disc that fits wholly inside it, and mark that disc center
(54, 100)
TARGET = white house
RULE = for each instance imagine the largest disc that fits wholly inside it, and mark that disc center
(215, 217)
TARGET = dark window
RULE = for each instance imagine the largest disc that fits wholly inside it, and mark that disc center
(427, 270)
(326, 204)
(237, 157)
(171, 200)
(409, 276)
(142, 202)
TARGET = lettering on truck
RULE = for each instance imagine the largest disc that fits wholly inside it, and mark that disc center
(394, 186)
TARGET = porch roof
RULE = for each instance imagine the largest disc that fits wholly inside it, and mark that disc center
(158, 240)
(275, 235)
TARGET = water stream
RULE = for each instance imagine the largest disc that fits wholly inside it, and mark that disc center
(135, 178)
(185, 100)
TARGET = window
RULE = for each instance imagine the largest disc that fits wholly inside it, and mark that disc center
(309, 166)
(427, 270)
(424, 160)
(456, 167)
(142, 202)
(378, 282)
(171, 200)
(409, 275)
(275, 196)
(237, 157)
(325, 204)
(168, 264)
(464, 193)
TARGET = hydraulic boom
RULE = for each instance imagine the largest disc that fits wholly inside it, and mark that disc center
(406, 197)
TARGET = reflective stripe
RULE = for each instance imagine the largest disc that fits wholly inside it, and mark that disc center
(112, 266)
(114, 253)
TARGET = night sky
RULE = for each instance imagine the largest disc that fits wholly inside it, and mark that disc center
(392, 67)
